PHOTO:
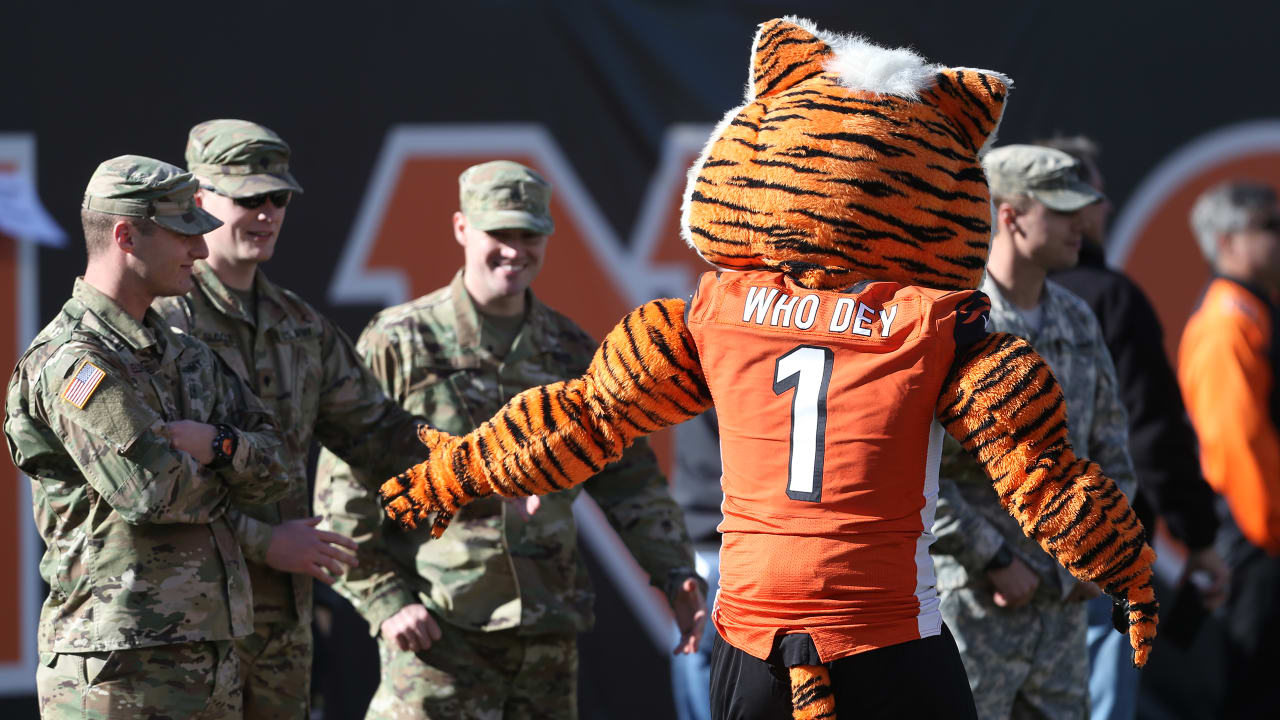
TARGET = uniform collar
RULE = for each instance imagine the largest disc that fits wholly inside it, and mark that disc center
(138, 336)
(1006, 318)
(228, 302)
(467, 323)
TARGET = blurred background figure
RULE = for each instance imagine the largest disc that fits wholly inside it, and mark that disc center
(1227, 365)
(1161, 443)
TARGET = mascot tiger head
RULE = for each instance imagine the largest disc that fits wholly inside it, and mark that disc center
(848, 162)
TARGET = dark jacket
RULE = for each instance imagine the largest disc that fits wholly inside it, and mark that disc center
(1161, 440)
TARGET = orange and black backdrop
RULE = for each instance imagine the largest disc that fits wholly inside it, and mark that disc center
(385, 103)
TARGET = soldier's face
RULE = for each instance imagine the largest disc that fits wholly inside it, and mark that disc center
(500, 263)
(164, 260)
(1049, 238)
(247, 235)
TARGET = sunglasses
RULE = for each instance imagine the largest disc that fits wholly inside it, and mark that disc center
(279, 199)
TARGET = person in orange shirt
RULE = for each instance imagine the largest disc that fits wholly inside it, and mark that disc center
(1227, 370)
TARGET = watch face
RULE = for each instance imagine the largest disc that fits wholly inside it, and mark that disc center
(226, 446)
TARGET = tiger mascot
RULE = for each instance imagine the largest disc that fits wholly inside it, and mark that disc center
(846, 208)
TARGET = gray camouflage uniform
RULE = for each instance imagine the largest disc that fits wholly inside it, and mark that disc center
(307, 373)
(1031, 661)
(508, 593)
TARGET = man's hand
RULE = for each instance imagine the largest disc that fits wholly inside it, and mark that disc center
(525, 506)
(1207, 571)
(691, 616)
(411, 629)
(193, 438)
(1015, 584)
(298, 547)
(1083, 592)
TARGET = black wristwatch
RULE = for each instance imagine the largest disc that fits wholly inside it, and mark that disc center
(1001, 560)
(224, 446)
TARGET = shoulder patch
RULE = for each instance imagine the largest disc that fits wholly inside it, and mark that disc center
(81, 386)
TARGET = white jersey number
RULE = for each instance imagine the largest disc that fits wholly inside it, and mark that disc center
(806, 369)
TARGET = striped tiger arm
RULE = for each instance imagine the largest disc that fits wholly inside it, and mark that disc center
(645, 376)
(1003, 404)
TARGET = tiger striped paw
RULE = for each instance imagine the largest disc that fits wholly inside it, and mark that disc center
(401, 503)
(1137, 619)
(412, 497)
(431, 437)
(1142, 620)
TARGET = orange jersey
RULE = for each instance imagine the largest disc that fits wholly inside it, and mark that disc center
(1226, 370)
(830, 454)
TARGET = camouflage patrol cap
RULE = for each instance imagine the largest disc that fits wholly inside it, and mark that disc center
(136, 186)
(505, 195)
(239, 159)
(1048, 175)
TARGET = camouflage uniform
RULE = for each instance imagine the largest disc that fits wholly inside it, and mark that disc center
(1030, 661)
(147, 585)
(509, 594)
(306, 371)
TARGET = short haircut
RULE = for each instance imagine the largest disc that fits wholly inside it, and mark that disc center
(97, 228)
(1020, 202)
(1228, 207)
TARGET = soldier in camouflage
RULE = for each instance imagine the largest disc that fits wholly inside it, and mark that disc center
(481, 623)
(137, 441)
(1019, 618)
(307, 372)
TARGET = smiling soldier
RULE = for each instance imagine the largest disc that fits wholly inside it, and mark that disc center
(482, 622)
(307, 373)
(137, 442)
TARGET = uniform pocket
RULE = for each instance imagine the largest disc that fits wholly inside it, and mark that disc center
(100, 666)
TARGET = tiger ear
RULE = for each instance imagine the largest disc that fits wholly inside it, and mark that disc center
(975, 99)
(786, 52)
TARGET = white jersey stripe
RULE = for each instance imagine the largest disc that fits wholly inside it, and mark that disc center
(929, 621)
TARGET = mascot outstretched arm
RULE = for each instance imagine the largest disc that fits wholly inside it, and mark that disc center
(847, 209)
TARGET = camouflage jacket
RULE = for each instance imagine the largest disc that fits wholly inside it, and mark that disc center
(493, 569)
(139, 551)
(307, 373)
(971, 524)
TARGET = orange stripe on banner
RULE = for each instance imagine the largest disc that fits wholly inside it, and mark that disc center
(10, 509)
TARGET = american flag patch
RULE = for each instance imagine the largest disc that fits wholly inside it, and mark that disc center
(80, 389)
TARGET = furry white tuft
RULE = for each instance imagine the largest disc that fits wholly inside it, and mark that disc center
(862, 65)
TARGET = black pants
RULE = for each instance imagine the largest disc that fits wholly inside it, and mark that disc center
(922, 678)
(1252, 619)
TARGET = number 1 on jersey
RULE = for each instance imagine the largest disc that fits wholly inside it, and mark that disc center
(806, 369)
